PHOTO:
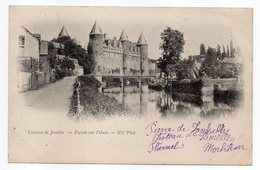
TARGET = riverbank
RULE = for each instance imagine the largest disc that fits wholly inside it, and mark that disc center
(93, 102)
(215, 88)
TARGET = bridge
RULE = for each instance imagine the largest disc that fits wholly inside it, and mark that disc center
(124, 80)
(126, 76)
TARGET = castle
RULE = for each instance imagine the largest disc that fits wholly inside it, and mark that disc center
(118, 57)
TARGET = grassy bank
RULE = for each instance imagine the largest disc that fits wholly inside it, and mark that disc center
(94, 102)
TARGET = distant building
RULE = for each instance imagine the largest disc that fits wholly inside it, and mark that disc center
(118, 56)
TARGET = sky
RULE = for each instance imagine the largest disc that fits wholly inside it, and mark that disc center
(211, 26)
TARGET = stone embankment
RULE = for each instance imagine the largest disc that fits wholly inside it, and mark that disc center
(209, 88)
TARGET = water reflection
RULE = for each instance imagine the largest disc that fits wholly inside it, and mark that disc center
(135, 98)
(142, 101)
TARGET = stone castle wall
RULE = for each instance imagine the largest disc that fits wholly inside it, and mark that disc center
(118, 59)
(111, 62)
(117, 56)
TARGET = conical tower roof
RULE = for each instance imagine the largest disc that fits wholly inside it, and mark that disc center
(141, 40)
(96, 29)
(63, 32)
(123, 36)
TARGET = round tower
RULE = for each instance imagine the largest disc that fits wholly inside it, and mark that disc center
(95, 47)
(143, 46)
(125, 45)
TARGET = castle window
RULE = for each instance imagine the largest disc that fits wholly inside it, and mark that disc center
(21, 40)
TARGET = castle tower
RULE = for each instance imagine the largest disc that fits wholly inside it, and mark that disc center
(143, 46)
(125, 44)
(63, 32)
(95, 47)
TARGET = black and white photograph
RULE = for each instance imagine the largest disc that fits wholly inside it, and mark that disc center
(130, 85)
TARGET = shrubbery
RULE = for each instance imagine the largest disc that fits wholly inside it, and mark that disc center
(73, 50)
(217, 69)
(184, 69)
(211, 67)
(193, 86)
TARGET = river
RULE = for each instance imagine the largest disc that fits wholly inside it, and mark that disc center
(142, 101)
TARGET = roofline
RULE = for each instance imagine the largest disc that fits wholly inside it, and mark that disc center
(29, 32)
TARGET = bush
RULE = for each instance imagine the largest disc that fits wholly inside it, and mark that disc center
(193, 86)
(229, 70)
(184, 69)
(73, 50)
(59, 73)
(217, 69)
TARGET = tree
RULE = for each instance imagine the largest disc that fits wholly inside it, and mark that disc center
(217, 69)
(210, 64)
(69, 45)
(68, 64)
(172, 46)
(223, 54)
(162, 65)
(228, 55)
(74, 50)
(218, 52)
(52, 52)
(229, 70)
(202, 49)
(232, 50)
(184, 69)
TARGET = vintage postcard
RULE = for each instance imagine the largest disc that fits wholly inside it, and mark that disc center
(130, 85)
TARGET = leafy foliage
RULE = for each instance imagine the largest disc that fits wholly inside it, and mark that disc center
(74, 50)
(229, 70)
(219, 55)
(210, 64)
(184, 69)
(217, 69)
(202, 49)
(68, 64)
(172, 46)
(52, 55)
(223, 54)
